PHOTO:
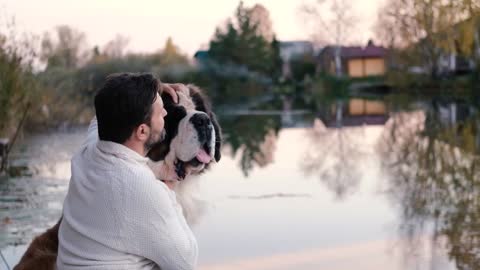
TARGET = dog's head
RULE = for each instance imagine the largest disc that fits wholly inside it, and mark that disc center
(193, 136)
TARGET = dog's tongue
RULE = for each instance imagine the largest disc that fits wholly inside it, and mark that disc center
(203, 157)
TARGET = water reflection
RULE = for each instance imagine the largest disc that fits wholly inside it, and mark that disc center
(334, 157)
(429, 156)
(29, 205)
(355, 112)
(338, 143)
(432, 158)
(253, 138)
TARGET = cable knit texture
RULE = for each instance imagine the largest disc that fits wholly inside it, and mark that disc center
(117, 215)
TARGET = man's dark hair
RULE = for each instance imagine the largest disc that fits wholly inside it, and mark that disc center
(123, 103)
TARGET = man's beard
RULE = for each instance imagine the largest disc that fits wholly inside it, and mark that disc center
(154, 138)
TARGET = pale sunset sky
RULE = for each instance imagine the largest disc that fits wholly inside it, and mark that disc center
(147, 23)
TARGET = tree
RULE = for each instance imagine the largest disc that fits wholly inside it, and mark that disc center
(261, 18)
(66, 50)
(115, 48)
(16, 88)
(171, 55)
(386, 28)
(276, 59)
(332, 25)
(17, 84)
(241, 44)
(430, 29)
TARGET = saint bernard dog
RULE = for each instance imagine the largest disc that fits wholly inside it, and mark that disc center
(193, 136)
(192, 144)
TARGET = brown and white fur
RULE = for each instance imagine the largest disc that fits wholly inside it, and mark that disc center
(192, 134)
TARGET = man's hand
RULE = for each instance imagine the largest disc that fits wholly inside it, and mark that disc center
(171, 89)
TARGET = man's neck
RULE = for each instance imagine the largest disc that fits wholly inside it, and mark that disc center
(136, 146)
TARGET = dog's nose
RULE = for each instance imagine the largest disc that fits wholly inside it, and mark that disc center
(200, 120)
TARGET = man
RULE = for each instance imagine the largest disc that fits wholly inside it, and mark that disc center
(116, 214)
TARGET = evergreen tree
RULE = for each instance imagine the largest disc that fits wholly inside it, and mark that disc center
(240, 44)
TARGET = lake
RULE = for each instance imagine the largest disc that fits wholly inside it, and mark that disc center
(364, 184)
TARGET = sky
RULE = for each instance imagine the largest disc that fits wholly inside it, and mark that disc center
(148, 23)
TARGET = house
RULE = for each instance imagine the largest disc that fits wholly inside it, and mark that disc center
(354, 62)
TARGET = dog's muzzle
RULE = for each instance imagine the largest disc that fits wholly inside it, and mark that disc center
(202, 124)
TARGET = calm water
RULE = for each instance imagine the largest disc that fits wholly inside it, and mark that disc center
(363, 185)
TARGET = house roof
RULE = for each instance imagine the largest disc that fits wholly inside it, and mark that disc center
(359, 52)
(349, 52)
(202, 54)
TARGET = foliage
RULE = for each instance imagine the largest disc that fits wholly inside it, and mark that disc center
(326, 89)
(332, 23)
(241, 45)
(302, 67)
(69, 82)
(17, 84)
(430, 29)
(66, 49)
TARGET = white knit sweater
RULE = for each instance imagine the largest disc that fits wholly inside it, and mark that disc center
(117, 215)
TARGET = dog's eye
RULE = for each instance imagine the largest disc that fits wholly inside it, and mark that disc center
(194, 162)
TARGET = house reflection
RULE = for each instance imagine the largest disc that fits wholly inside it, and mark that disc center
(338, 143)
(337, 139)
(356, 112)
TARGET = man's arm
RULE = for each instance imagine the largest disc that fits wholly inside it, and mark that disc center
(159, 230)
(92, 133)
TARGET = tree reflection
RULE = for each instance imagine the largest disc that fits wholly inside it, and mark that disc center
(254, 138)
(333, 155)
(433, 166)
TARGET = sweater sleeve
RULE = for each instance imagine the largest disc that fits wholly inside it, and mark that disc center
(92, 133)
(159, 230)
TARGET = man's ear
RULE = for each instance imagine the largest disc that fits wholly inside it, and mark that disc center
(142, 132)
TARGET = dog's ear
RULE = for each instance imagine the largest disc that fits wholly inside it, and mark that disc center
(218, 136)
(159, 151)
(203, 104)
(199, 99)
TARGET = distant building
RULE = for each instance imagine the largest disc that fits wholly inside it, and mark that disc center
(355, 61)
(447, 60)
(291, 50)
(201, 57)
(452, 63)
